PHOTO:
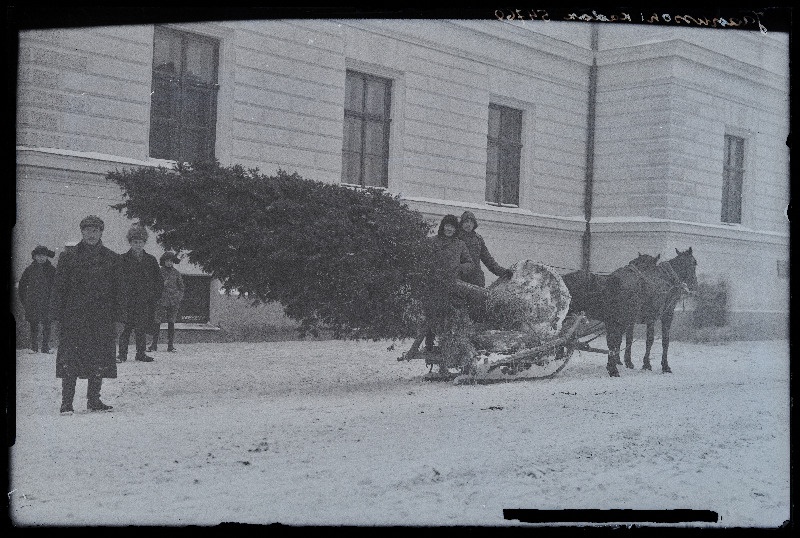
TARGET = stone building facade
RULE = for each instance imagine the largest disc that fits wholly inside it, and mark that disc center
(661, 137)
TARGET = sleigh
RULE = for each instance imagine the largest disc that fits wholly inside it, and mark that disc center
(537, 341)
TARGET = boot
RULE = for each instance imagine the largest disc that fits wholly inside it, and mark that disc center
(121, 358)
(171, 349)
(144, 358)
(67, 394)
(93, 403)
(97, 405)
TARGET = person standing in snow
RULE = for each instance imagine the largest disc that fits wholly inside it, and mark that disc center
(171, 297)
(140, 289)
(478, 252)
(453, 255)
(35, 291)
(87, 311)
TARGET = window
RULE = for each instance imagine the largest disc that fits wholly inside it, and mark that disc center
(365, 150)
(195, 307)
(504, 149)
(183, 111)
(733, 174)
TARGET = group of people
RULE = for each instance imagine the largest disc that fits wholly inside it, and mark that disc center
(461, 250)
(98, 298)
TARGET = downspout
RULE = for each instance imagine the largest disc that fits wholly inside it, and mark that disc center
(586, 246)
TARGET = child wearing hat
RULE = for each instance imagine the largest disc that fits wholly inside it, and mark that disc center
(140, 290)
(35, 289)
(171, 297)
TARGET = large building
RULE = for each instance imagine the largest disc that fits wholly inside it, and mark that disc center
(660, 137)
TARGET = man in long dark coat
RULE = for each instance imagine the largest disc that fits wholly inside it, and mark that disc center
(35, 293)
(86, 307)
(140, 290)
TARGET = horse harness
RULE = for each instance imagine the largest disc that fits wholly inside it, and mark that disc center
(666, 269)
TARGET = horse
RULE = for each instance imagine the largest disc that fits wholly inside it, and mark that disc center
(588, 293)
(644, 293)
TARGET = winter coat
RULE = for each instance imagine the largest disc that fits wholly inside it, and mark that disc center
(140, 290)
(479, 252)
(86, 306)
(35, 291)
(174, 287)
(452, 254)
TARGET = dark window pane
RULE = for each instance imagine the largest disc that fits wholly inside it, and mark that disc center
(375, 143)
(197, 107)
(162, 135)
(200, 59)
(376, 97)
(352, 134)
(354, 92)
(196, 299)
(164, 98)
(510, 178)
(511, 125)
(166, 51)
(374, 171)
(351, 168)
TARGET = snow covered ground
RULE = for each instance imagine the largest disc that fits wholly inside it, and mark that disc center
(333, 433)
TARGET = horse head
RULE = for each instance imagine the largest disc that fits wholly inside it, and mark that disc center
(685, 267)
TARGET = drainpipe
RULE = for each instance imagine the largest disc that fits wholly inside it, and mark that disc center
(586, 246)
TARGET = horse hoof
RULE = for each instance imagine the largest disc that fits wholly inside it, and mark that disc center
(646, 367)
(613, 372)
(666, 370)
(628, 364)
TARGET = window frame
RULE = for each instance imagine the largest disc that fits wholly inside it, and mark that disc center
(503, 146)
(733, 173)
(363, 117)
(181, 86)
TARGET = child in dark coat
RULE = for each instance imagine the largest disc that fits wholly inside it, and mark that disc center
(35, 290)
(478, 252)
(140, 290)
(171, 297)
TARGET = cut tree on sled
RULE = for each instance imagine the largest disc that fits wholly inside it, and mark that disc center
(515, 329)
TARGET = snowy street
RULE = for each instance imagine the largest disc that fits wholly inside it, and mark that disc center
(332, 433)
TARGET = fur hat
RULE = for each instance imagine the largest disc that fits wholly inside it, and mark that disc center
(137, 232)
(94, 221)
(42, 250)
(447, 219)
(169, 255)
(468, 215)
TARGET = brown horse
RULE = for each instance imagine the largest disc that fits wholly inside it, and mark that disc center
(588, 293)
(644, 293)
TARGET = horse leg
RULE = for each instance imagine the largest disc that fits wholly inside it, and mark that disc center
(628, 345)
(666, 323)
(648, 345)
(613, 339)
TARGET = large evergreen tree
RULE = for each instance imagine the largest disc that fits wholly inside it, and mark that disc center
(355, 262)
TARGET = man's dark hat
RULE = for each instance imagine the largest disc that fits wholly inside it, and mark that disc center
(93, 220)
(43, 250)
